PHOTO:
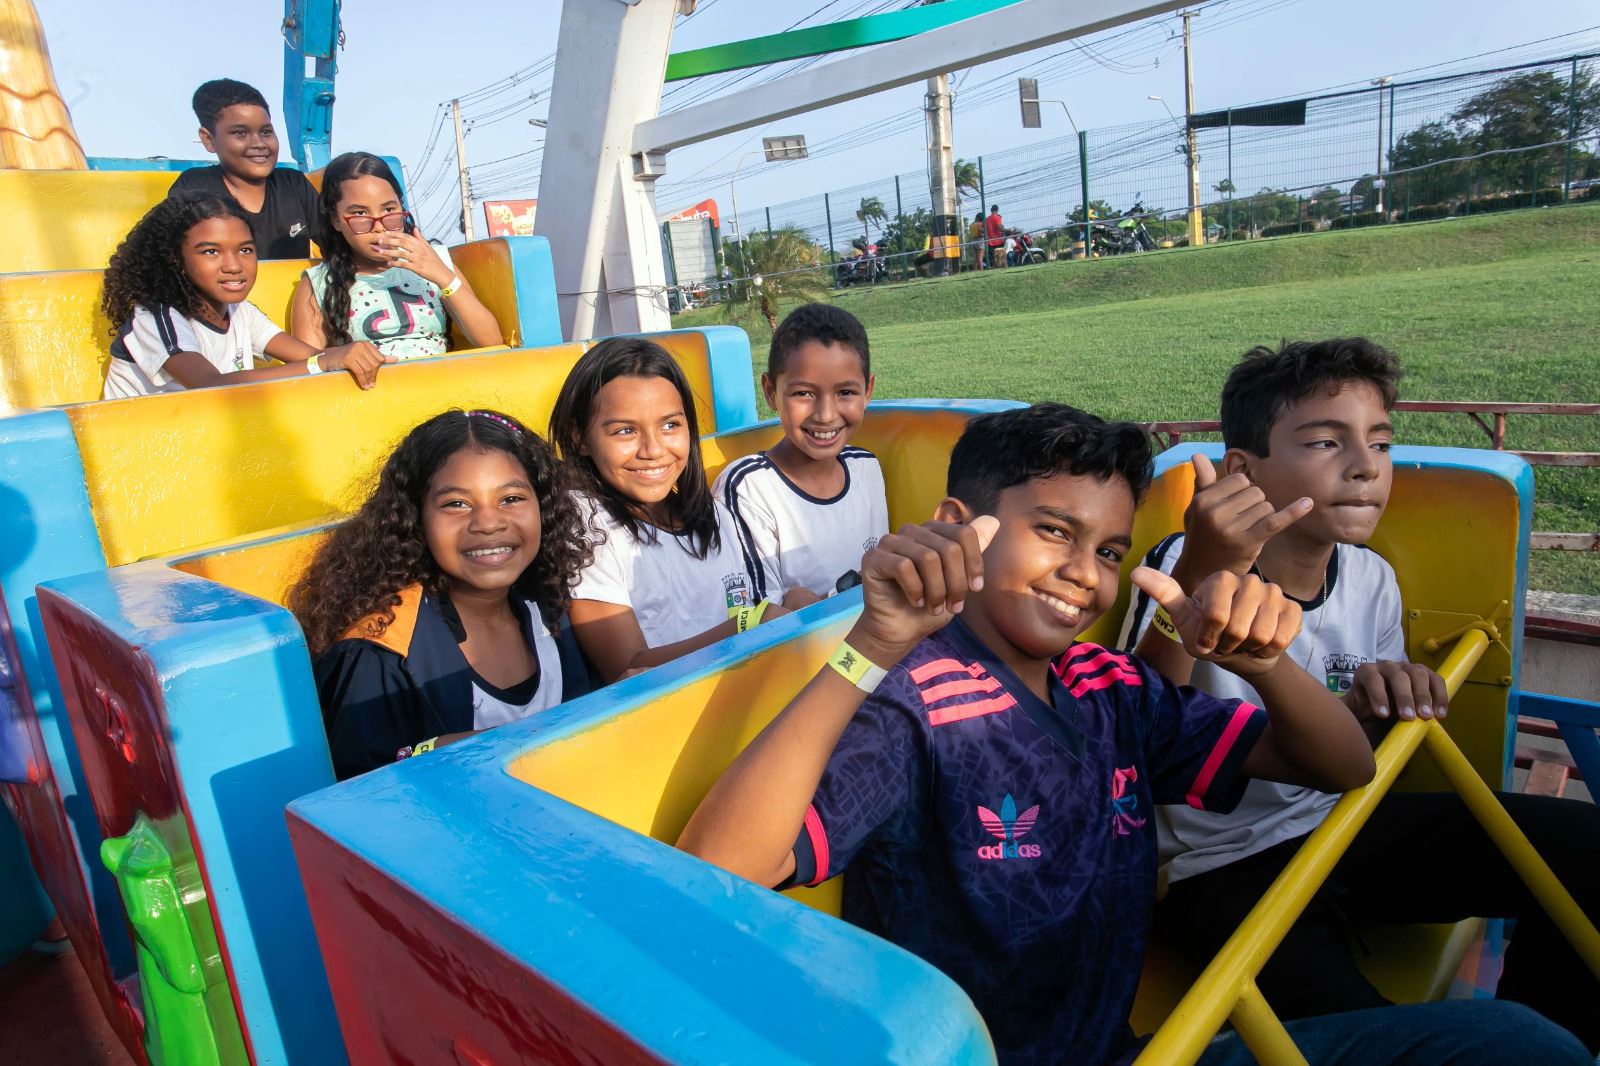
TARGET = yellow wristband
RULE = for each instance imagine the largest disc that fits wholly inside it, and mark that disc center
(1161, 622)
(314, 364)
(747, 618)
(425, 746)
(856, 668)
(452, 288)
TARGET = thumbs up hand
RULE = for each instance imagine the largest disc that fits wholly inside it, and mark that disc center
(1242, 624)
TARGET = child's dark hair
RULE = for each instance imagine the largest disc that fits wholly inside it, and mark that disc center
(214, 97)
(368, 560)
(1266, 383)
(823, 323)
(336, 253)
(147, 267)
(693, 506)
(1007, 448)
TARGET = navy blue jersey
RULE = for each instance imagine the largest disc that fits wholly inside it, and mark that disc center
(1010, 842)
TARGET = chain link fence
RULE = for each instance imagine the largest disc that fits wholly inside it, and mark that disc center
(1459, 144)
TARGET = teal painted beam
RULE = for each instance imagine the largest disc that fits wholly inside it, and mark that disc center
(820, 40)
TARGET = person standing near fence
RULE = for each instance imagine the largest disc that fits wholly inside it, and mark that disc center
(996, 231)
(975, 233)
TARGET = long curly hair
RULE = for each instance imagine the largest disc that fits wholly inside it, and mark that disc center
(147, 267)
(693, 506)
(336, 252)
(381, 550)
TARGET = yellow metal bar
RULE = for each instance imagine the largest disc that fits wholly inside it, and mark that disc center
(1201, 1012)
(1261, 1030)
(1514, 844)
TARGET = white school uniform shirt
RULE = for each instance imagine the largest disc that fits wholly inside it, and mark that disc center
(150, 337)
(798, 540)
(493, 706)
(1357, 620)
(673, 594)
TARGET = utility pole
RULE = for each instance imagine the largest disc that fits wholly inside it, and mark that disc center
(945, 242)
(461, 166)
(1197, 235)
(1378, 182)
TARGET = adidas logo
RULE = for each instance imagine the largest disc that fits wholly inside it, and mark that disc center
(1009, 828)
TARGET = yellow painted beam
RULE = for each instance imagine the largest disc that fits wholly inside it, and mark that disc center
(1201, 1012)
(1261, 1030)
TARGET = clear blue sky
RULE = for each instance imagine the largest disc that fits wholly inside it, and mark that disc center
(128, 79)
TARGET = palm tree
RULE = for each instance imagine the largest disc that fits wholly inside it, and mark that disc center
(967, 178)
(871, 210)
(785, 269)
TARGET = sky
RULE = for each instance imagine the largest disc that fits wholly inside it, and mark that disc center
(127, 80)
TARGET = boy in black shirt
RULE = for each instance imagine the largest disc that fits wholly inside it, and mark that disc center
(279, 203)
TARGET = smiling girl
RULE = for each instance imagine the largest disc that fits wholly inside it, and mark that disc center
(379, 280)
(668, 575)
(176, 292)
(438, 608)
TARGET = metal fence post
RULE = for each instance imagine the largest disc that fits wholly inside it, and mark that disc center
(1083, 185)
(900, 231)
(983, 198)
(769, 223)
(1572, 131)
(1231, 187)
(1300, 214)
(827, 212)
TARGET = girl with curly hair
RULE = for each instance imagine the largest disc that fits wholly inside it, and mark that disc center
(670, 573)
(379, 280)
(176, 293)
(438, 608)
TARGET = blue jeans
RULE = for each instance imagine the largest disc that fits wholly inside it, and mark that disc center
(1458, 1032)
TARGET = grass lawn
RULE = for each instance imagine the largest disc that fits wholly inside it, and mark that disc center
(1500, 307)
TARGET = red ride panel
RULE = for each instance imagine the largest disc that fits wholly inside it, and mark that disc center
(411, 985)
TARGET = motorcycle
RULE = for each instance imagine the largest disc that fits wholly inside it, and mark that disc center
(1020, 249)
(1128, 234)
(866, 267)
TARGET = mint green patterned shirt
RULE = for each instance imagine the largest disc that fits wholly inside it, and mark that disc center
(398, 312)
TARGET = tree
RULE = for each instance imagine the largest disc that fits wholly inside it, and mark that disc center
(785, 268)
(871, 210)
(1269, 207)
(1097, 209)
(1224, 188)
(908, 232)
(968, 179)
(1438, 161)
(1326, 202)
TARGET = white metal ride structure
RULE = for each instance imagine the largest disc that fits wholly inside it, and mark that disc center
(608, 142)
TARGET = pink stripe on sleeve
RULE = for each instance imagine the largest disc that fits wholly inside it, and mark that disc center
(1202, 781)
(819, 845)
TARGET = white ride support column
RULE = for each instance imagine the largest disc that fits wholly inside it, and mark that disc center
(597, 204)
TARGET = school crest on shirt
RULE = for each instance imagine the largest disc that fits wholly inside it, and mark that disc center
(737, 590)
(1339, 671)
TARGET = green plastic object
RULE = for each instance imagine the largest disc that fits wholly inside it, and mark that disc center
(172, 972)
(820, 40)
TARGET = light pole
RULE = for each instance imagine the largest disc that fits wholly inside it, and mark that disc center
(1192, 156)
(776, 150)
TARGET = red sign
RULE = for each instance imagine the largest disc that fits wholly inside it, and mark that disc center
(703, 209)
(509, 218)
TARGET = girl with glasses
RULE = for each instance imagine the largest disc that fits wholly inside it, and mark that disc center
(379, 280)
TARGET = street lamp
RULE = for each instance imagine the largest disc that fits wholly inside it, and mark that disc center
(1163, 102)
(1192, 156)
(776, 150)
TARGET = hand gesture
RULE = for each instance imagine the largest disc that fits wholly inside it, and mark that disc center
(360, 359)
(1406, 690)
(409, 250)
(1242, 624)
(1229, 520)
(914, 581)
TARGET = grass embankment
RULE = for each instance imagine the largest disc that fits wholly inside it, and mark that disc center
(1502, 307)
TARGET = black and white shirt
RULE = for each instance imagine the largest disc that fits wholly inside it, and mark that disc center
(149, 338)
(799, 540)
(1357, 619)
(282, 228)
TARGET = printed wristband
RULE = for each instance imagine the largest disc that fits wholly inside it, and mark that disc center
(856, 668)
(452, 288)
(314, 364)
(747, 618)
(1161, 622)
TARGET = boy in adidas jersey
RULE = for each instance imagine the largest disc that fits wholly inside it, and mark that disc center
(1307, 476)
(988, 783)
(810, 506)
